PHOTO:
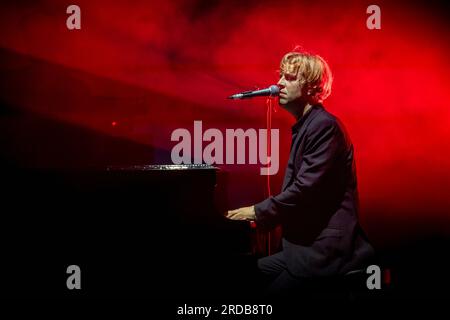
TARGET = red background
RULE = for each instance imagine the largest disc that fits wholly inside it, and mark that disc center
(152, 67)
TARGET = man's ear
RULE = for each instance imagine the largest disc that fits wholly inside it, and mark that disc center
(309, 93)
(312, 90)
(308, 90)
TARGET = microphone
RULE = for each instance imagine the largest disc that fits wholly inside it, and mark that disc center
(272, 91)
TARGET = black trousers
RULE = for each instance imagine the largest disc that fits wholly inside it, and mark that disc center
(279, 280)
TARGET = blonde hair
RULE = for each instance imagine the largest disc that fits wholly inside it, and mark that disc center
(311, 70)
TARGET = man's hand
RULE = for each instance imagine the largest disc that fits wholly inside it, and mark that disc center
(245, 213)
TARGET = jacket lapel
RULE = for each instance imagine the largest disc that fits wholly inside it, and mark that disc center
(297, 139)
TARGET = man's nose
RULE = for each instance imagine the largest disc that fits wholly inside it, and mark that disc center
(280, 83)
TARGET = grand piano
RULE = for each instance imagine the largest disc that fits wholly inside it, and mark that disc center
(134, 231)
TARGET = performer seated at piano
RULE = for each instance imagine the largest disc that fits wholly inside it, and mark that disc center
(318, 204)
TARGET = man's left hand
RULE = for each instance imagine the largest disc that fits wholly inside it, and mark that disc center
(245, 213)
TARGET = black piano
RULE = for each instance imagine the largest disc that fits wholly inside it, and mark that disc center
(134, 231)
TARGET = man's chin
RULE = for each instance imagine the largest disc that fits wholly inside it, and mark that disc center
(284, 105)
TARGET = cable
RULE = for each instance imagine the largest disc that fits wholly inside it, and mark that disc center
(269, 106)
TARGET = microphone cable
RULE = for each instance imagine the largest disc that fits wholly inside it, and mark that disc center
(270, 109)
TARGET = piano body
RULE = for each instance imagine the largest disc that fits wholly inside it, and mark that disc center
(134, 231)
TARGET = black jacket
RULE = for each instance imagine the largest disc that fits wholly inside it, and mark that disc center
(318, 204)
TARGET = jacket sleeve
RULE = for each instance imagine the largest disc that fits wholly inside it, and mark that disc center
(324, 142)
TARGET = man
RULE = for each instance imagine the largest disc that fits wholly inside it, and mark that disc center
(317, 207)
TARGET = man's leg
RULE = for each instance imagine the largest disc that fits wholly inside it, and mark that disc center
(279, 280)
(285, 285)
(272, 266)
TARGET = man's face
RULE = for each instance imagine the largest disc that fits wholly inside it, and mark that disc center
(290, 89)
